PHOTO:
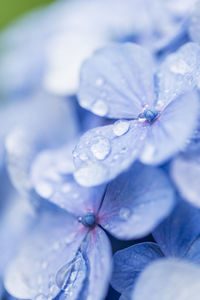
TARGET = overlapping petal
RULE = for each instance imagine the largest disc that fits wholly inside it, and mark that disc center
(105, 152)
(129, 262)
(168, 279)
(49, 247)
(171, 131)
(136, 202)
(117, 81)
(177, 234)
(52, 179)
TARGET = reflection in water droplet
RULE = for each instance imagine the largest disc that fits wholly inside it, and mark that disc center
(124, 213)
(101, 147)
(100, 108)
(120, 127)
(70, 277)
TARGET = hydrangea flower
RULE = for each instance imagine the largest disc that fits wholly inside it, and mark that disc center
(34, 124)
(120, 82)
(168, 279)
(177, 237)
(68, 250)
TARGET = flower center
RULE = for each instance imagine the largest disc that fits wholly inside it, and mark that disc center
(150, 114)
(88, 220)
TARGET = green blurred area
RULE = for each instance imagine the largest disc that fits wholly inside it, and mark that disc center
(11, 9)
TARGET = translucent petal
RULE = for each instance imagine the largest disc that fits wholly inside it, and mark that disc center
(179, 73)
(129, 262)
(185, 171)
(33, 125)
(49, 247)
(136, 202)
(105, 152)
(52, 179)
(177, 234)
(171, 131)
(168, 279)
(120, 77)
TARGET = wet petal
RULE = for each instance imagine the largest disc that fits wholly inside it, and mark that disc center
(168, 279)
(129, 262)
(105, 152)
(179, 73)
(185, 171)
(52, 179)
(171, 131)
(177, 234)
(117, 81)
(50, 246)
(136, 202)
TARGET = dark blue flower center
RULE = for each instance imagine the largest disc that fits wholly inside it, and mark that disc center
(150, 114)
(88, 220)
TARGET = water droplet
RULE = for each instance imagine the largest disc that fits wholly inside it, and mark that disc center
(40, 297)
(91, 175)
(180, 67)
(120, 127)
(70, 278)
(99, 82)
(124, 213)
(100, 148)
(44, 189)
(100, 108)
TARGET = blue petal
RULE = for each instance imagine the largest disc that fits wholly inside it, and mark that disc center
(52, 179)
(195, 23)
(117, 81)
(136, 202)
(35, 124)
(49, 247)
(178, 232)
(172, 129)
(105, 152)
(179, 73)
(168, 279)
(129, 262)
(185, 171)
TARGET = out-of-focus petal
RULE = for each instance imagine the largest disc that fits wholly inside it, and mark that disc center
(117, 81)
(50, 246)
(136, 202)
(185, 171)
(105, 152)
(178, 74)
(177, 234)
(194, 27)
(168, 279)
(52, 179)
(129, 262)
(35, 124)
(171, 131)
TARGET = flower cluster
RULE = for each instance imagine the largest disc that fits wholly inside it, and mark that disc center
(100, 152)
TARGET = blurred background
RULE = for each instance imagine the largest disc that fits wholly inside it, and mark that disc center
(10, 10)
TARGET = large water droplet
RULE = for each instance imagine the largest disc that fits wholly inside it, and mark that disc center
(180, 67)
(101, 147)
(70, 278)
(124, 213)
(100, 108)
(91, 175)
(120, 127)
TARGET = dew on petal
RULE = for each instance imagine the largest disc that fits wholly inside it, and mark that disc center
(180, 67)
(124, 213)
(70, 278)
(100, 108)
(120, 127)
(100, 148)
(44, 189)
